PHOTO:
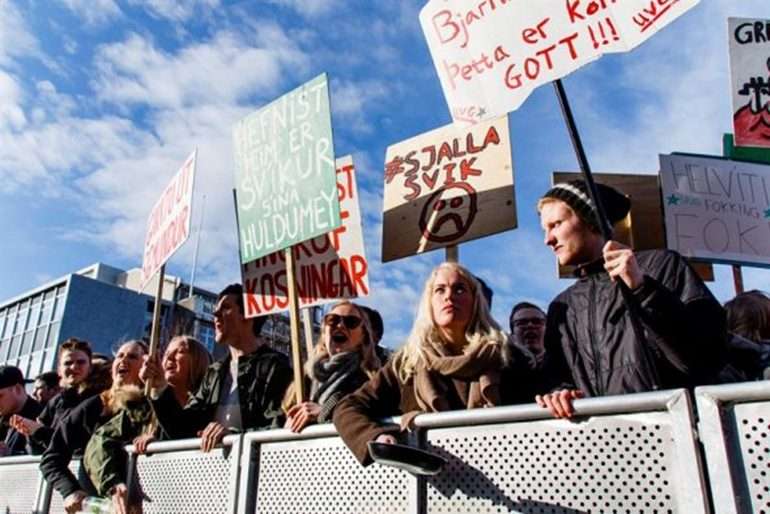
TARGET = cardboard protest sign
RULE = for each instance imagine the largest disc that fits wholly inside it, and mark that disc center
(491, 55)
(168, 226)
(329, 267)
(447, 186)
(717, 209)
(284, 172)
(750, 74)
(643, 228)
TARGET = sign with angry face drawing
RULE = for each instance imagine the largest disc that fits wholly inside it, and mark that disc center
(447, 186)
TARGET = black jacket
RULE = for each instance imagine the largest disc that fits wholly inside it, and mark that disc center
(53, 413)
(17, 442)
(263, 377)
(70, 438)
(681, 338)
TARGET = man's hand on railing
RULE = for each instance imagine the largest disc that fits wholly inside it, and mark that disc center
(152, 374)
(23, 425)
(302, 415)
(559, 402)
(211, 436)
(73, 503)
(141, 442)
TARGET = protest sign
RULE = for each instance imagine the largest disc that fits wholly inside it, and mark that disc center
(447, 186)
(284, 172)
(643, 228)
(491, 55)
(329, 267)
(717, 209)
(750, 74)
(168, 226)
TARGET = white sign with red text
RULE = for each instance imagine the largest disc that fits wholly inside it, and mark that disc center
(168, 226)
(491, 54)
(329, 267)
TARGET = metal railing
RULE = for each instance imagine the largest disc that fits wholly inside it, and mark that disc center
(632, 453)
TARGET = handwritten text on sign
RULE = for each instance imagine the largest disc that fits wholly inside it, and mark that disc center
(447, 186)
(284, 172)
(717, 209)
(168, 226)
(491, 54)
(750, 71)
(329, 267)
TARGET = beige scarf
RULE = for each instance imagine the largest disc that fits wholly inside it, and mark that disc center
(480, 365)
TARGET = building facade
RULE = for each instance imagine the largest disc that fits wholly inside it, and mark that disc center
(105, 306)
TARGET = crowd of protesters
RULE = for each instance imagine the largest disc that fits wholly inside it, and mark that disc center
(666, 331)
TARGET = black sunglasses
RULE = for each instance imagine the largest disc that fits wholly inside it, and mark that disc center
(350, 322)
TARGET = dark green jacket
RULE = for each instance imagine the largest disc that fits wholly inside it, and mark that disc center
(104, 458)
(263, 377)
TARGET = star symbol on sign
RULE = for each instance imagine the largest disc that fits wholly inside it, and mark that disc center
(673, 200)
(482, 112)
(767, 213)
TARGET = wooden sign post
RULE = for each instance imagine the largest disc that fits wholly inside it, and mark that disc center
(296, 355)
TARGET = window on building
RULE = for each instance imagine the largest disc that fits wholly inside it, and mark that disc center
(53, 334)
(26, 343)
(40, 336)
(13, 352)
(45, 316)
(60, 301)
(35, 365)
(21, 320)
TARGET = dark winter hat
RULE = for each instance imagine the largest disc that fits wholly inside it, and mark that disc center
(10, 376)
(575, 194)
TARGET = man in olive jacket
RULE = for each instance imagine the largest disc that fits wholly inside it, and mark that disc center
(671, 334)
(241, 392)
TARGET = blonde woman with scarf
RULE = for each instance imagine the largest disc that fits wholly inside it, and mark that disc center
(344, 359)
(454, 358)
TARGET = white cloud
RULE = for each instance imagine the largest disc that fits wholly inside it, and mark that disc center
(226, 70)
(15, 38)
(310, 7)
(11, 113)
(175, 10)
(94, 12)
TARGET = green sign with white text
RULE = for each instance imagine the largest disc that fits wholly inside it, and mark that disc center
(285, 178)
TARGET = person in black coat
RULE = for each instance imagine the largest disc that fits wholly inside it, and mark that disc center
(671, 334)
(14, 400)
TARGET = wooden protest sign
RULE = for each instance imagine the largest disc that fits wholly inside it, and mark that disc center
(330, 267)
(284, 172)
(447, 186)
(491, 55)
(717, 209)
(750, 80)
(168, 225)
(643, 228)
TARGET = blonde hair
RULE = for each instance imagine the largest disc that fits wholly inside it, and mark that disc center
(482, 329)
(370, 363)
(200, 360)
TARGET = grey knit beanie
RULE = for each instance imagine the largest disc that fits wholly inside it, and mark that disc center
(575, 194)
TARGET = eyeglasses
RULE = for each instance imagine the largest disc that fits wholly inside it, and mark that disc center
(538, 322)
(350, 322)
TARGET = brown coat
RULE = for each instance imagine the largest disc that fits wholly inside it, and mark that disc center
(384, 395)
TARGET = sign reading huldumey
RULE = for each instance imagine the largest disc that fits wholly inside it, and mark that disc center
(329, 267)
(491, 55)
(447, 186)
(285, 178)
(750, 73)
(168, 226)
(717, 209)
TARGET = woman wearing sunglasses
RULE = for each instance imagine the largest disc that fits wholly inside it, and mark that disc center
(453, 359)
(343, 360)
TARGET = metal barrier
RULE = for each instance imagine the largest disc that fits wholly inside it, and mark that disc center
(734, 427)
(21, 485)
(175, 476)
(633, 453)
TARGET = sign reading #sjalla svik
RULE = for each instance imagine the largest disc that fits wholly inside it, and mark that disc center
(285, 177)
(717, 209)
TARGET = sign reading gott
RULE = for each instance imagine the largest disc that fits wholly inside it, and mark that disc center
(284, 172)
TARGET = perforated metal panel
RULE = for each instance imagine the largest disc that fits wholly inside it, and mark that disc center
(753, 438)
(618, 465)
(187, 481)
(322, 476)
(19, 485)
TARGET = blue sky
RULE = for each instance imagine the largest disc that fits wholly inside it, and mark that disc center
(102, 100)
